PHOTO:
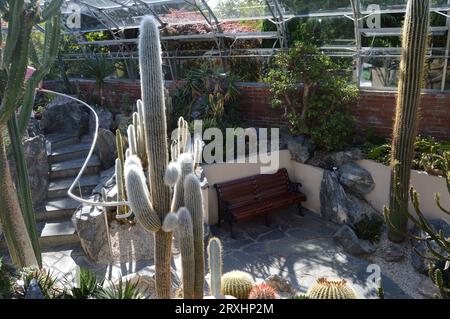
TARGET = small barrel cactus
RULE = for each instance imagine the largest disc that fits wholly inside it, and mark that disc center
(237, 284)
(262, 291)
(329, 289)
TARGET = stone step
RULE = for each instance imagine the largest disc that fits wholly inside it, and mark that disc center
(57, 233)
(71, 168)
(70, 152)
(59, 187)
(61, 140)
(58, 209)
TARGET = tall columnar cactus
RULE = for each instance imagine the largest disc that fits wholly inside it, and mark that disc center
(436, 241)
(328, 289)
(215, 266)
(415, 33)
(16, 209)
(153, 205)
(237, 284)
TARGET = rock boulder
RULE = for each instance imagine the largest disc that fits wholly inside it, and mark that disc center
(63, 115)
(301, 148)
(356, 179)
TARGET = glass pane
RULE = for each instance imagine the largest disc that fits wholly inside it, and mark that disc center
(380, 72)
(433, 73)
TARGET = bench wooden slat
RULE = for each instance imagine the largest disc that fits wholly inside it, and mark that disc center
(256, 195)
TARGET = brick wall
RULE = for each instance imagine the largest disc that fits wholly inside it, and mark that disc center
(374, 109)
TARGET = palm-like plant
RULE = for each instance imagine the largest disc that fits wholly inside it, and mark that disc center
(99, 67)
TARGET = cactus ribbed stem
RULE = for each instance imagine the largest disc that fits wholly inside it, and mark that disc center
(12, 221)
(329, 289)
(187, 167)
(415, 33)
(152, 88)
(139, 196)
(215, 266)
(237, 284)
(132, 139)
(186, 231)
(193, 200)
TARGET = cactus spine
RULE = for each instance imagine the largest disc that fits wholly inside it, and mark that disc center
(237, 284)
(215, 266)
(16, 209)
(262, 291)
(328, 289)
(122, 211)
(415, 32)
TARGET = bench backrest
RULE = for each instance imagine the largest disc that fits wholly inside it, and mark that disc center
(272, 185)
(253, 188)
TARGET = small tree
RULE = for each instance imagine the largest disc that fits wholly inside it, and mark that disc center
(320, 109)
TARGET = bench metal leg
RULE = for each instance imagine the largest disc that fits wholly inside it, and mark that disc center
(267, 220)
(300, 210)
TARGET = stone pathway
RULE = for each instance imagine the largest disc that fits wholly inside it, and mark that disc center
(300, 249)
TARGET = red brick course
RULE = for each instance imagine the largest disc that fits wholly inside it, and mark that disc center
(375, 109)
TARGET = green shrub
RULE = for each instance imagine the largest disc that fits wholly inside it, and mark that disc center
(369, 229)
(428, 155)
(321, 110)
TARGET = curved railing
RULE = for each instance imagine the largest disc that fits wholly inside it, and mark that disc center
(76, 182)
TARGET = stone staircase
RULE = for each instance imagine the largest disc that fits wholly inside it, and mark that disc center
(67, 156)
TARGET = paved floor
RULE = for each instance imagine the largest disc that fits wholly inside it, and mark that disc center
(300, 249)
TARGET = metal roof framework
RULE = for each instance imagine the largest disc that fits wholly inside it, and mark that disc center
(116, 16)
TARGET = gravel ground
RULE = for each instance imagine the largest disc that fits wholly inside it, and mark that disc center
(402, 273)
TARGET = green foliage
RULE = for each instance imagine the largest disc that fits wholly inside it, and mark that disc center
(207, 93)
(5, 280)
(322, 110)
(98, 67)
(121, 290)
(87, 285)
(437, 243)
(428, 155)
(46, 280)
(369, 229)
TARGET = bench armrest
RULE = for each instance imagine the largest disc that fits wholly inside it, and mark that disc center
(295, 187)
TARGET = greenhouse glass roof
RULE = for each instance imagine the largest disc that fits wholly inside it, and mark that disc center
(361, 31)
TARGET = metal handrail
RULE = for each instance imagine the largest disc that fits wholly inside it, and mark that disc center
(91, 151)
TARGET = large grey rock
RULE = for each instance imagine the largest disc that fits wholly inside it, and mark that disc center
(351, 243)
(91, 227)
(301, 148)
(418, 262)
(33, 128)
(35, 150)
(105, 119)
(340, 207)
(335, 159)
(33, 291)
(356, 179)
(63, 115)
(106, 148)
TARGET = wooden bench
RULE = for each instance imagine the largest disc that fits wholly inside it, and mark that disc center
(257, 195)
